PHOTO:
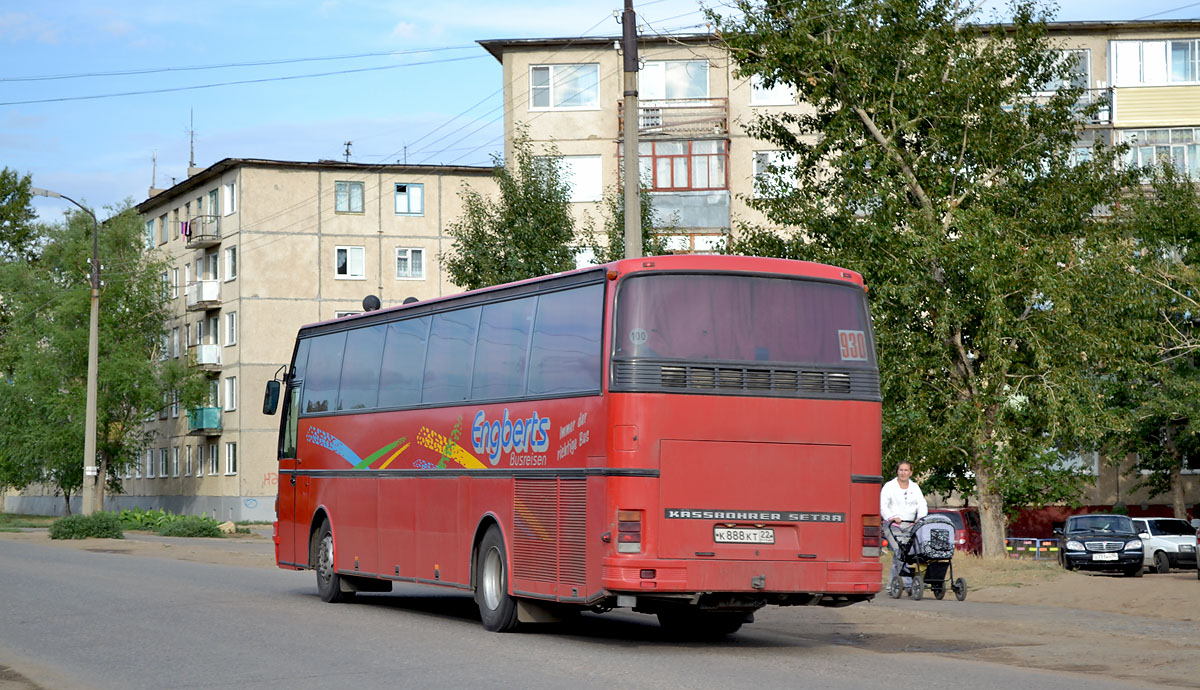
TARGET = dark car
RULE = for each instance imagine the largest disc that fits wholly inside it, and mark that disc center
(968, 533)
(1100, 542)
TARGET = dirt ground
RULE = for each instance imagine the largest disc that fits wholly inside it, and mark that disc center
(1025, 613)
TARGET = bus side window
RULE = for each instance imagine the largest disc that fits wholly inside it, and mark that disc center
(291, 412)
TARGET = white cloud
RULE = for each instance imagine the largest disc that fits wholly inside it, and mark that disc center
(15, 27)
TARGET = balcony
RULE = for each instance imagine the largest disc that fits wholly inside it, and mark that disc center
(205, 357)
(203, 294)
(691, 117)
(204, 421)
(201, 231)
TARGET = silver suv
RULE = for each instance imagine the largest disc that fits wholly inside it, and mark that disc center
(1166, 543)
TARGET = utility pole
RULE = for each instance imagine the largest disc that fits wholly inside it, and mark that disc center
(633, 120)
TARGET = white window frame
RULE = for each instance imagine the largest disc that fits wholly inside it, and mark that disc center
(415, 256)
(584, 176)
(653, 82)
(187, 468)
(349, 196)
(765, 159)
(175, 461)
(149, 465)
(780, 94)
(350, 251)
(231, 329)
(410, 199)
(230, 458)
(230, 263)
(164, 467)
(553, 86)
(214, 460)
(230, 393)
(229, 197)
(174, 283)
(176, 350)
(174, 404)
(1148, 62)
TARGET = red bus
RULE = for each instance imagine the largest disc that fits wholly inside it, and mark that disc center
(694, 437)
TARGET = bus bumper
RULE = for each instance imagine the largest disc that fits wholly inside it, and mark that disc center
(645, 576)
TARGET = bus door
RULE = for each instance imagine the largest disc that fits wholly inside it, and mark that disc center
(290, 548)
(754, 501)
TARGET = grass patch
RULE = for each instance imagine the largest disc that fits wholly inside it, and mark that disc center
(11, 522)
(97, 525)
(982, 573)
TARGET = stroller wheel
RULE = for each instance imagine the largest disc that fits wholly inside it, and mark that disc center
(894, 588)
(960, 589)
(917, 590)
(939, 590)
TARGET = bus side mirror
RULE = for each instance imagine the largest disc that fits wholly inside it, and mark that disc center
(271, 399)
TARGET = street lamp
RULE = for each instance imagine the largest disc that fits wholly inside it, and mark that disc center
(90, 495)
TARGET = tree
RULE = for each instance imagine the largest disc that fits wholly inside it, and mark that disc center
(17, 236)
(528, 231)
(931, 161)
(612, 248)
(42, 397)
(1163, 426)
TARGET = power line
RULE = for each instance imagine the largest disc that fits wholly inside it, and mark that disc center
(258, 63)
(1166, 11)
(244, 81)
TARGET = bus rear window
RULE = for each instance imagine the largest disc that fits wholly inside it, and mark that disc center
(742, 318)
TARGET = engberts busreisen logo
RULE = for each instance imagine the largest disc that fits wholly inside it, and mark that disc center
(509, 435)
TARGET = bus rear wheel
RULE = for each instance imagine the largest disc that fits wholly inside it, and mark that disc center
(497, 609)
(702, 625)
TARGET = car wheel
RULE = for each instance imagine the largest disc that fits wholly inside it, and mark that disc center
(1162, 564)
(1135, 571)
(1062, 559)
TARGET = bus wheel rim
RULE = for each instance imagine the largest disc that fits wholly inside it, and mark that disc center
(493, 574)
(325, 559)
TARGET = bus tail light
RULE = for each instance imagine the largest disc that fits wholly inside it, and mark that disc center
(629, 531)
(871, 536)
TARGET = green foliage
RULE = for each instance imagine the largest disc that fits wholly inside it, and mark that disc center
(191, 526)
(16, 521)
(612, 247)
(44, 353)
(18, 236)
(101, 525)
(931, 163)
(143, 519)
(1159, 402)
(526, 232)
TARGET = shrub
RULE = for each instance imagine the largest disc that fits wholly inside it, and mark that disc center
(142, 519)
(190, 526)
(99, 525)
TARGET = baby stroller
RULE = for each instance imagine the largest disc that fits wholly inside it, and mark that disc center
(926, 551)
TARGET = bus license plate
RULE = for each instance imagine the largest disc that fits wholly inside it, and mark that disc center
(1104, 557)
(732, 535)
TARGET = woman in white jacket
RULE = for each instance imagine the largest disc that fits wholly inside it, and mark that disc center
(901, 503)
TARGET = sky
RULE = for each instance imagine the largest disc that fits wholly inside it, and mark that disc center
(100, 101)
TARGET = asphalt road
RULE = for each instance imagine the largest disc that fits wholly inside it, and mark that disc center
(93, 620)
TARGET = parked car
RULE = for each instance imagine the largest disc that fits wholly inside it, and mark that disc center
(1166, 543)
(1100, 542)
(968, 532)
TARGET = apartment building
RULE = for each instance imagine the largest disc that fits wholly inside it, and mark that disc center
(701, 165)
(259, 248)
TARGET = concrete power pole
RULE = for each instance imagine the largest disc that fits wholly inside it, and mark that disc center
(633, 210)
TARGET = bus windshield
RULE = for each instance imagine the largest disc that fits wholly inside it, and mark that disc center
(740, 318)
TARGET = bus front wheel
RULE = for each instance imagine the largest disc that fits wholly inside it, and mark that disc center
(497, 609)
(329, 583)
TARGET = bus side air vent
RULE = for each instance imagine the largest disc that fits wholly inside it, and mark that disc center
(648, 375)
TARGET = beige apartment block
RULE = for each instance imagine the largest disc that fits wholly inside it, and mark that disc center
(701, 165)
(259, 248)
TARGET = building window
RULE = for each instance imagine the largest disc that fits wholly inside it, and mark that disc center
(350, 263)
(187, 466)
(230, 195)
(214, 204)
(176, 350)
(213, 461)
(674, 80)
(231, 328)
(1180, 145)
(230, 263)
(211, 266)
(230, 393)
(174, 283)
(174, 404)
(779, 94)
(683, 165)
(231, 458)
(199, 461)
(163, 468)
(162, 411)
(1138, 63)
(150, 464)
(175, 461)
(348, 197)
(410, 199)
(214, 393)
(564, 87)
(214, 329)
(162, 229)
(584, 177)
(773, 169)
(695, 243)
(1080, 65)
(410, 263)
(150, 234)
(340, 314)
